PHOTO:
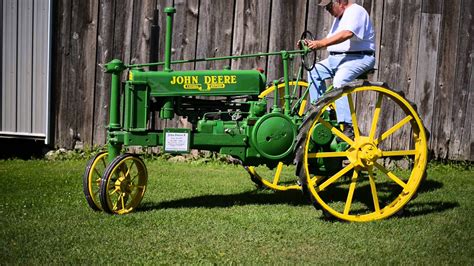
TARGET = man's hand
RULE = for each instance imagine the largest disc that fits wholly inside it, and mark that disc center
(314, 45)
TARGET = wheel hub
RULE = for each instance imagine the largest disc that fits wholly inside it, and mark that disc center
(368, 154)
(364, 153)
(123, 185)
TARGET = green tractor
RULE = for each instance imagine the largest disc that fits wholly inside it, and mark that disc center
(235, 112)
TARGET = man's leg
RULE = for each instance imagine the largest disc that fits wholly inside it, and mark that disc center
(349, 69)
(316, 77)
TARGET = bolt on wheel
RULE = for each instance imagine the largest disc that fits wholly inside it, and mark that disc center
(123, 185)
(91, 179)
(385, 160)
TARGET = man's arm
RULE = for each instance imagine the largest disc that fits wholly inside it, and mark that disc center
(335, 39)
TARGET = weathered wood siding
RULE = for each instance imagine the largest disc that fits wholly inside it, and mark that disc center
(424, 48)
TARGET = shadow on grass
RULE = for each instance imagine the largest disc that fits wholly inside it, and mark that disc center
(423, 208)
(294, 198)
(291, 197)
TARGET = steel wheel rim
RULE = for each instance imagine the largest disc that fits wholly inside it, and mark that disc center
(360, 161)
(123, 185)
(92, 178)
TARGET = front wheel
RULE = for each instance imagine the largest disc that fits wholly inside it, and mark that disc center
(385, 161)
(123, 185)
(91, 179)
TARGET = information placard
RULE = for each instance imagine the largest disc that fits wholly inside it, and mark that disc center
(176, 141)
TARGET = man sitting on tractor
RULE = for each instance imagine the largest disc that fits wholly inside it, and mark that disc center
(351, 46)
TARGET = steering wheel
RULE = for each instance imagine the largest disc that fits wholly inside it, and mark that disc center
(308, 58)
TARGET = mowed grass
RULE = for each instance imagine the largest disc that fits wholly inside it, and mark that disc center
(213, 214)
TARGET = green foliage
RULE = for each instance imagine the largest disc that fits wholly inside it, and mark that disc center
(212, 214)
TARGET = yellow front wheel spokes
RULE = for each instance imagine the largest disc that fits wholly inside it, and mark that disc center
(91, 179)
(383, 169)
(280, 178)
(123, 185)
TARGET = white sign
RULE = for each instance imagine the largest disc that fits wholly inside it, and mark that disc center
(175, 141)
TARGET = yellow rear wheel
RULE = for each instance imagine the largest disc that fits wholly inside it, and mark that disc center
(123, 185)
(91, 179)
(282, 177)
(384, 163)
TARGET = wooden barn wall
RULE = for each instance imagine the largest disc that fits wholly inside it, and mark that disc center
(424, 48)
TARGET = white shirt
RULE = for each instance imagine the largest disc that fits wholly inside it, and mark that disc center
(355, 19)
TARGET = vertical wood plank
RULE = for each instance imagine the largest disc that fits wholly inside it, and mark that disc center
(105, 46)
(469, 124)
(86, 44)
(409, 40)
(376, 14)
(443, 98)
(78, 73)
(214, 32)
(123, 30)
(61, 72)
(389, 62)
(459, 147)
(427, 66)
(287, 22)
(250, 32)
(143, 14)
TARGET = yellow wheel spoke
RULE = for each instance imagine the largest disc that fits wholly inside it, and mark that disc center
(313, 180)
(398, 153)
(123, 201)
(96, 171)
(328, 154)
(336, 131)
(350, 195)
(391, 175)
(278, 173)
(302, 108)
(133, 178)
(335, 177)
(128, 169)
(113, 192)
(97, 181)
(375, 119)
(116, 202)
(373, 189)
(392, 130)
(355, 125)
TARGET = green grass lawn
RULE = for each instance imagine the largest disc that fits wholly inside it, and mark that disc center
(213, 214)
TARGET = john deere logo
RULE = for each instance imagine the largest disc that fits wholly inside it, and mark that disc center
(203, 83)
